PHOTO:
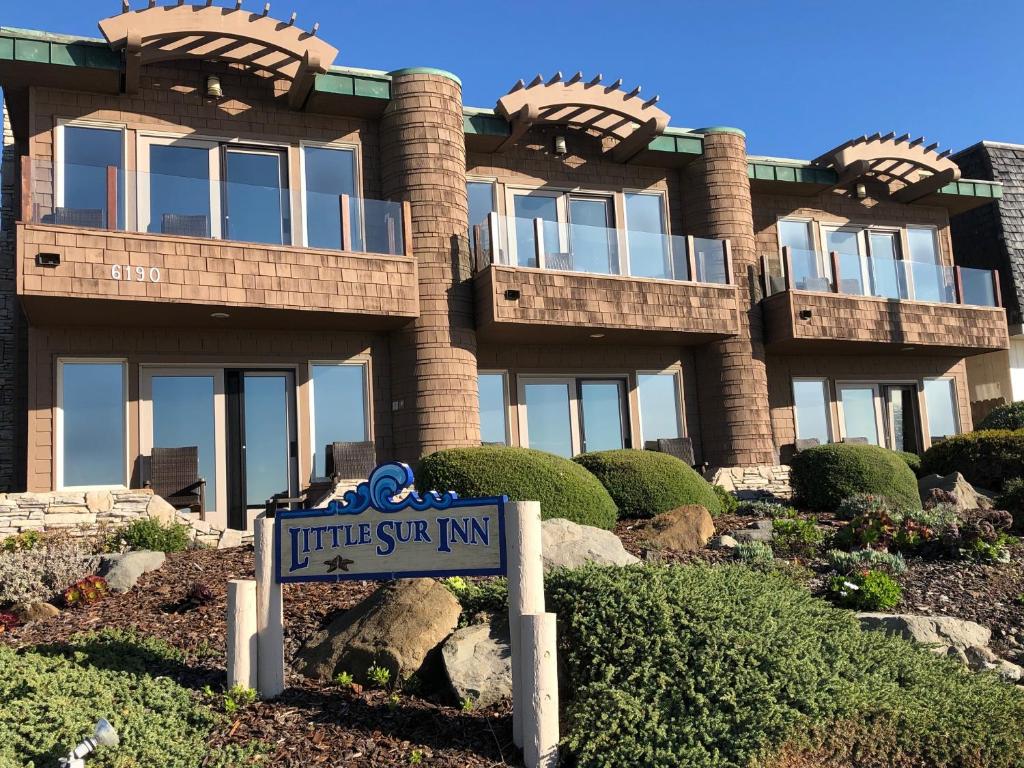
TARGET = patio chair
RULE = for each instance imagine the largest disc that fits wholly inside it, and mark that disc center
(174, 476)
(680, 447)
(561, 261)
(186, 226)
(856, 440)
(818, 284)
(90, 218)
(350, 461)
(803, 445)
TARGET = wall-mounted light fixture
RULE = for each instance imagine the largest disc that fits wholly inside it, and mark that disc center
(213, 87)
(806, 314)
(862, 191)
(560, 148)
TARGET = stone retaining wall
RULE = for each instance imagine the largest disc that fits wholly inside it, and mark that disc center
(755, 482)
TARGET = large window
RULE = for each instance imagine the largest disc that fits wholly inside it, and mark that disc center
(92, 161)
(493, 408)
(577, 231)
(91, 424)
(340, 408)
(858, 405)
(811, 409)
(330, 172)
(182, 198)
(940, 402)
(650, 254)
(570, 415)
(658, 398)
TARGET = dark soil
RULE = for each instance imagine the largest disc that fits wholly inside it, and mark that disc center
(312, 723)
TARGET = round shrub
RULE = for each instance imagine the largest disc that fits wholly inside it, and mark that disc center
(913, 461)
(824, 476)
(1012, 500)
(986, 458)
(1009, 416)
(647, 483)
(563, 488)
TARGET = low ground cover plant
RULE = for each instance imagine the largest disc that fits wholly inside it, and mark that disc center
(797, 537)
(148, 533)
(44, 570)
(824, 476)
(22, 541)
(771, 509)
(755, 554)
(724, 666)
(866, 590)
(563, 488)
(484, 596)
(872, 559)
(91, 589)
(1009, 416)
(987, 458)
(647, 483)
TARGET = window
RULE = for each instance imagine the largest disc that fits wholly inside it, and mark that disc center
(182, 197)
(493, 408)
(593, 245)
(931, 280)
(526, 209)
(570, 415)
(888, 279)
(577, 231)
(859, 411)
(91, 428)
(940, 403)
(602, 417)
(256, 206)
(83, 178)
(646, 237)
(329, 173)
(339, 400)
(848, 245)
(811, 409)
(481, 205)
(551, 423)
(658, 398)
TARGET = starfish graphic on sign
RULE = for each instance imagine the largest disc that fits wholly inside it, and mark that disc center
(338, 563)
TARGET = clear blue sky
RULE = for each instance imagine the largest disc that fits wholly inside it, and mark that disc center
(799, 76)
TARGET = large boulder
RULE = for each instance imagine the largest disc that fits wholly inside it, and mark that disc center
(961, 492)
(685, 529)
(123, 571)
(566, 544)
(397, 627)
(941, 632)
(478, 661)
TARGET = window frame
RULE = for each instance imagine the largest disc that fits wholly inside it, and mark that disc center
(860, 231)
(143, 209)
(357, 180)
(506, 398)
(59, 152)
(827, 391)
(677, 373)
(876, 401)
(366, 363)
(925, 417)
(626, 257)
(58, 422)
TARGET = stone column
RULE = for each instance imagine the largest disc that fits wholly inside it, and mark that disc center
(732, 383)
(433, 359)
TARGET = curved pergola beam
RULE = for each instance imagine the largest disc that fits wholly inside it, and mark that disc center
(587, 105)
(212, 33)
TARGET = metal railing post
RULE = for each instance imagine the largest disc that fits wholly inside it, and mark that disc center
(27, 215)
(112, 197)
(538, 239)
(834, 258)
(345, 210)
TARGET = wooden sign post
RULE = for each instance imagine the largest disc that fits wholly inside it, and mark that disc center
(384, 530)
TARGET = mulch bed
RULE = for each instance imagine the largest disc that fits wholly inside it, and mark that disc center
(312, 723)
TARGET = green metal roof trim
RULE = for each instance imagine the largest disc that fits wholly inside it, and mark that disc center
(42, 48)
(973, 188)
(353, 83)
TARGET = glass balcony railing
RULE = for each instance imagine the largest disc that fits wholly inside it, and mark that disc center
(97, 197)
(898, 279)
(553, 245)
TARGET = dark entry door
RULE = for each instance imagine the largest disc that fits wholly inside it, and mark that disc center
(900, 411)
(262, 444)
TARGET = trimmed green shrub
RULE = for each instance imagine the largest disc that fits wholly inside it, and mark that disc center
(730, 504)
(647, 483)
(771, 509)
(563, 488)
(1012, 500)
(718, 667)
(797, 537)
(987, 459)
(148, 533)
(912, 459)
(1009, 416)
(824, 476)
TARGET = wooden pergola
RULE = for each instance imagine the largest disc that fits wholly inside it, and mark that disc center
(589, 105)
(211, 33)
(907, 167)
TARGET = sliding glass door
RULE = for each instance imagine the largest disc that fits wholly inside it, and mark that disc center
(572, 415)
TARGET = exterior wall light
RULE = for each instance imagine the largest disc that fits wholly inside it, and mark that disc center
(104, 735)
(219, 315)
(560, 148)
(862, 191)
(213, 87)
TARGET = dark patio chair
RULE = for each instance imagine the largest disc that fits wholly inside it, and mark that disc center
(803, 445)
(561, 261)
(350, 461)
(186, 226)
(856, 440)
(680, 447)
(818, 284)
(90, 218)
(174, 476)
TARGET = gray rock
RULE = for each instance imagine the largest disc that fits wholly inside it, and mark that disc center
(723, 542)
(478, 661)
(123, 571)
(763, 525)
(569, 545)
(753, 534)
(396, 627)
(967, 497)
(943, 631)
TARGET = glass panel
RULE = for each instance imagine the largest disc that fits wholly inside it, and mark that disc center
(493, 427)
(902, 424)
(591, 236)
(645, 236)
(548, 423)
(709, 259)
(88, 152)
(481, 204)
(940, 401)
(266, 437)
(851, 276)
(796, 235)
(810, 399)
(932, 282)
(179, 190)
(256, 204)
(339, 409)
(659, 405)
(602, 415)
(859, 415)
(183, 415)
(528, 208)
(978, 287)
(922, 245)
(382, 226)
(93, 401)
(808, 274)
(330, 173)
(886, 275)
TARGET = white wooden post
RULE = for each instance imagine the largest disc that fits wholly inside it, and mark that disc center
(242, 652)
(269, 613)
(525, 593)
(540, 695)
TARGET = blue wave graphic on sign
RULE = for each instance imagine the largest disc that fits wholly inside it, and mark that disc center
(379, 491)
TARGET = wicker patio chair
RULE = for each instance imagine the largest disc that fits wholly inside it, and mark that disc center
(803, 445)
(856, 440)
(90, 218)
(350, 461)
(680, 447)
(186, 226)
(561, 261)
(174, 475)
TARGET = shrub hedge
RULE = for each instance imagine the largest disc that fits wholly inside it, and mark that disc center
(912, 459)
(1012, 500)
(1004, 417)
(824, 476)
(724, 666)
(647, 483)
(987, 458)
(563, 488)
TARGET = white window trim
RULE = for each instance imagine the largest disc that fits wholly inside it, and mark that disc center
(506, 404)
(58, 421)
(59, 152)
(680, 403)
(365, 364)
(357, 178)
(142, 195)
(876, 402)
(827, 390)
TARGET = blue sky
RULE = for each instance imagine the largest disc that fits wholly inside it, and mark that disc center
(799, 76)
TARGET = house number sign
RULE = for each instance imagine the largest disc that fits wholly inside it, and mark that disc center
(129, 273)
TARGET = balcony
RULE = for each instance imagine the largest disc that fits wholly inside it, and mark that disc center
(851, 303)
(107, 246)
(539, 280)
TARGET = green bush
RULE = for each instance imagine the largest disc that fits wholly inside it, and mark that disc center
(822, 477)
(756, 554)
(1012, 500)
(1004, 417)
(866, 591)
(872, 559)
(797, 537)
(730, 504)
(987, 459)
(148, 533)
(912, 459)
(563, 488)
(647, 483)
(717, 667)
